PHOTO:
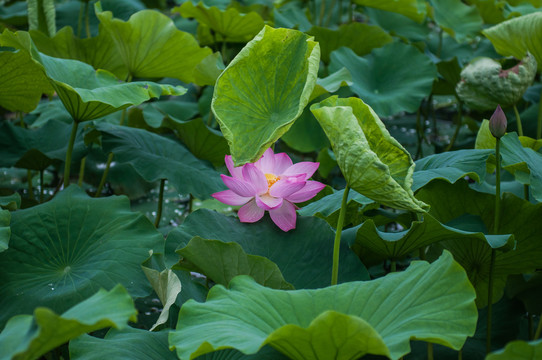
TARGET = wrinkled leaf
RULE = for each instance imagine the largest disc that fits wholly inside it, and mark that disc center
(371, 160)
(27, 337)
(304, 324)
(221, 262)
(264, 89)
(62, 251)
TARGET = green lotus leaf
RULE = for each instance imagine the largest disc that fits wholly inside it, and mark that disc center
(264, 89)
(518, 350)
(221, 262)
(371, 160)
(306, 135)
(450, 203)
(461, 21)
(151, 46)
(524, 163)
(528, 289)
(484, 138)
(413, 9)
(397, 24)
(451, 166)
(22, 82)
(359, 37)
(304, 255)
(490, 11)
(10, 202)
(128, 343)
(41, 16)
(155, 157)
(374, 246)
(388, 91)
(14, 13)
(5, 231)
(37, 149)
(518, 36)
(99, 51)
(167, 286)
(229, 25)
(28, 337)
(62, 251)
(484, 84)
(209, 69)
(431, 302)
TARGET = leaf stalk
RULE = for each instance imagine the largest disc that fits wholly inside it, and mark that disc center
(337, 242)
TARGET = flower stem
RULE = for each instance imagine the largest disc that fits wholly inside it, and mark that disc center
(457, 127)
(87, 23)
(80, 18)
(30, 185)
(538, 329)
(337, 242)
(393, 266)
(429, 351)
(41, 186)
(518, 121)
(160, 203)
(539, 127)
(460, 354)
(67, 166)
(322, 12)
(104, 176)
(82, 171)
(493, 252)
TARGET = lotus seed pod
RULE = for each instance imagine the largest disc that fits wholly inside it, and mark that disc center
(484, 84)
(497, 123)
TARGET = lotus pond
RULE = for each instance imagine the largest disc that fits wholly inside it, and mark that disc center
(260, 179)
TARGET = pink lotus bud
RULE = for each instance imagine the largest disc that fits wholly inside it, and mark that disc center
(497, 123)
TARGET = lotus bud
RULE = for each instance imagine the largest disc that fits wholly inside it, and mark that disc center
(485, 84)
(497, 123)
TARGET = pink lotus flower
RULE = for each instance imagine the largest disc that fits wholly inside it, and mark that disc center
(271, 184)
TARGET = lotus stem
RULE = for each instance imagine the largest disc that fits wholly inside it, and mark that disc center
(419, 132)
(330, 15)
(190, 203)
(518, 121)
(322, 12)
(457, 127)
(460, 354)
(21, 119)
(87, 23)
(539, 127)
(493, 252)
(41, 186)
(30, 185)
(393, 266)
(350, 12)
(160, 203)
(67, 166)
(82, 171)
(337, 242)
(538, 329)
(104, 175)
(530, 328)
(429, 351)
(80, 19)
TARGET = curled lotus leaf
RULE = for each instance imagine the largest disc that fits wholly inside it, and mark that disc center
(485, 84)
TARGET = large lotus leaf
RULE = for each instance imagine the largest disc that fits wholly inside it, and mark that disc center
(99, 51)
(155, 157)
(518, 350)
(371, 160)
(385, 82)
(374, 246)
(432, 302)
(22, 81)
(27, 337)
(359, 37)
(5, 231)
(62, 251)
(524, 163)
(129, 343)
(414, 9)
(304, 255)
(229, 25)
(451, 166)
(151, 46)
(457, 19)
(453, 202)
(518, 36)
(264, 89)
(398, 24)
(41, 16)
(221, 262)
(37, 149)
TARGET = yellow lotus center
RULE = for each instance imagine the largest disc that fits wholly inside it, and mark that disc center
(271, 179)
